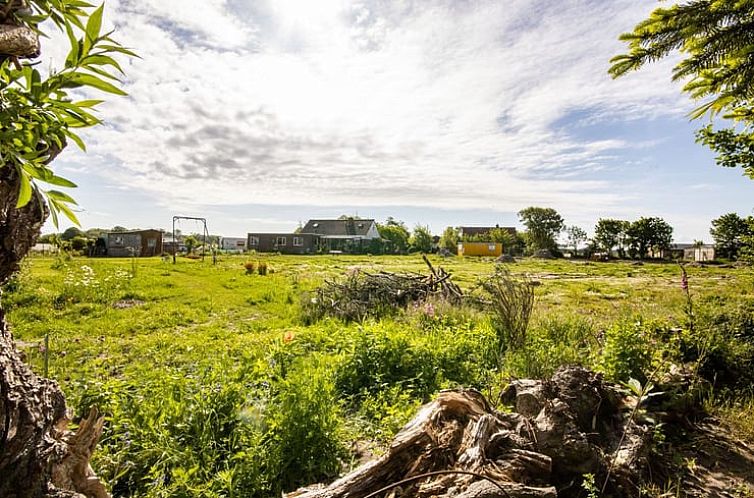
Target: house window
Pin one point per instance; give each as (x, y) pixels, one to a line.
(151, 243)
(119, 240)
(280, 241)
(298, 241)
(253, 241)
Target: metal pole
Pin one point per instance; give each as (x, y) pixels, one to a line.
(175, 244)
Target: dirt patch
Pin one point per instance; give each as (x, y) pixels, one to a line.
(127, 303)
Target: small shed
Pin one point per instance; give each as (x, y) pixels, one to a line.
(493, 249)
(700, 253)
(141, 243)
(233, 243)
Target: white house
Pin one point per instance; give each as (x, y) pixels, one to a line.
(233, 243)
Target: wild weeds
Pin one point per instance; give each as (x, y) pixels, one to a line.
(511, 300)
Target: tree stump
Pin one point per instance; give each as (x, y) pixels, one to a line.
(562, 428)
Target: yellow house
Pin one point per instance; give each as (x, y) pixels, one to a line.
(480, 249)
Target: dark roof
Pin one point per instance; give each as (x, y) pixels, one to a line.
(485, 230)
(146, 230)
(338, 227)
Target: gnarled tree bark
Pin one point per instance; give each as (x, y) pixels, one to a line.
(39, 456)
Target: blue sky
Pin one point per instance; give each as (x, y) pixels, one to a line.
(261, 114)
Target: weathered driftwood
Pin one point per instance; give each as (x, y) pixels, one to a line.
(563, 428)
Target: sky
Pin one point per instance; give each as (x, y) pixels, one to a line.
(259, 115)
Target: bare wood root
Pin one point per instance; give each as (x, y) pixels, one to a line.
(39, 456)
(563, 428)
(18, 41)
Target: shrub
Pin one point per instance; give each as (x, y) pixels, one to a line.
(250, 267)
(626, 352)
(511, 301)
(551, 344)
(262, 268)
(304, 426)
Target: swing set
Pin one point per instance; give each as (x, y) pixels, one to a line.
(205, 237)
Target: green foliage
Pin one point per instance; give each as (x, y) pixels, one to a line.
(627, 351)
(576, 235)
(421, 239)
(550, 344)
(449, 240)
(729, 232)
(610, 233)
(43, 113)
(543, 226)
(511, 301)
(212, 386)
(304, 426)
(647, 234)
(396, 236)
(714, 39)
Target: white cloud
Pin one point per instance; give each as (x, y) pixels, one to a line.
(371, 103)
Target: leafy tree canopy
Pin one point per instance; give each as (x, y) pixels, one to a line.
(449, 239)
(421, 239)
(729, 232)
(576, 235)
(609, 233)
(543, 224)
(647, 234)
(716, 40)
(396, 233)
(41, 113)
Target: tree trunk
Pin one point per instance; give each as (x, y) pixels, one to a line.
(38, 455)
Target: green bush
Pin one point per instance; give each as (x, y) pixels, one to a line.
(551, 344)
(627, 351)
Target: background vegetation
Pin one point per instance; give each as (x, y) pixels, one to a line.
(213, 385)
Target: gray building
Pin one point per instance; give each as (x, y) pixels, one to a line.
(142, 243)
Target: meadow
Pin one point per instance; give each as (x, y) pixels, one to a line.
(214, 381)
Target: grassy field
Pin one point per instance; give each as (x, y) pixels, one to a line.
(214, 385)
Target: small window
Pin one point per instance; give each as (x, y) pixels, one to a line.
(253, 241)
(280, 241)
(491, 247)
(316, 225)
(151, 243)
(298, 241)
(119, 240)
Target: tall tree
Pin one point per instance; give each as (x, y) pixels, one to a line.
(716, 40)
(421, 239)
(449, 240)
(729, 231)
(610, 234)
(649, 234)
(576, 235)
(396, 234)
(38, 117)
(543, 225)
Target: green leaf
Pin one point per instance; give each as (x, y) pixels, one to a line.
(76, 139)
(94, 24)
(61, 182)
(102, 60)
(87, 103)
(68, 213)
(82, 79)
(73, 55)
(24, 192)
(60, 196)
